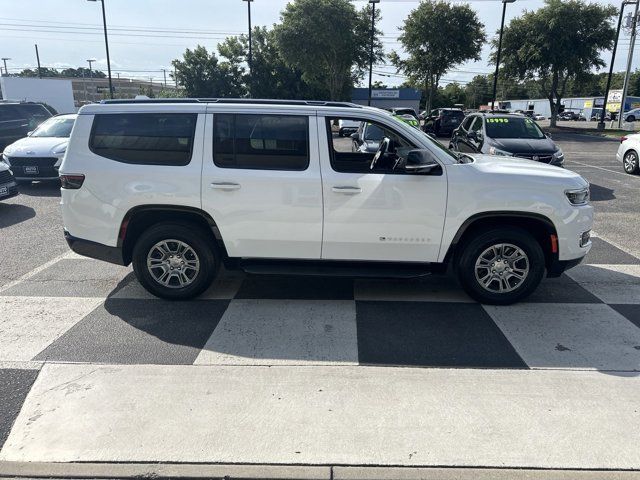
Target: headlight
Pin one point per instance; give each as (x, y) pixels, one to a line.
(5, 159)
(495, 151)
(578, 197)
(559, 155)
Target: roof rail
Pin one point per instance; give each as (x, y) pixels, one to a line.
(249, 101)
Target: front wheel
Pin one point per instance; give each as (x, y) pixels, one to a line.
(630, 162)
(501, 266)
(175, 261)
(631, 118)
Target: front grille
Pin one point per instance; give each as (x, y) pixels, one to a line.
(44, 166)
(544, 158)
(5, 177)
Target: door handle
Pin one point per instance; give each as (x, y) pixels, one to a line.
(346, 190)
(225, 185)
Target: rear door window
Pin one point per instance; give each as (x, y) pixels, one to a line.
(144, 138)
(261, 142)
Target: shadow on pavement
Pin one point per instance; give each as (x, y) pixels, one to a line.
(13, 213)
(601, 194)
(41, 189)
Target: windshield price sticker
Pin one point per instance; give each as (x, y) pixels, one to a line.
(498, 120)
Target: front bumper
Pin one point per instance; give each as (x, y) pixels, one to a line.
(96, 250)
(12, 190)
(558, 267)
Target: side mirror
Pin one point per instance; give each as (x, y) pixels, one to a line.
(473, 135)
(421, 161)
(548, 135)
(29, 133)
(355, 136)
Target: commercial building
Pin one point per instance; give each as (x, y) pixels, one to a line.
(584, 105)
(388, 97)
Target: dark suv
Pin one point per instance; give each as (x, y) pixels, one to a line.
(443, 121)
(17, 119)
(509, 135)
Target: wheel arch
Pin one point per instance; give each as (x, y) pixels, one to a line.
(540, 227)
(139, 218)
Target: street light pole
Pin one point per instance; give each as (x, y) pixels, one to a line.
(373, 31)
(613, 59)
(495, 76)
(250, 59)
(4, 59)
(106, 44)
(625, 87)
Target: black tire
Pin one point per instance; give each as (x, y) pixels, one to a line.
(196, 239)
(477, 245)
(630, 162)
(631, 118)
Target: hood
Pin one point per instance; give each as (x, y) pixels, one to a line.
(524, 145)
(37, 147)
(500, 165)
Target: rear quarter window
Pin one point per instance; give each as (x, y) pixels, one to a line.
(144, 138)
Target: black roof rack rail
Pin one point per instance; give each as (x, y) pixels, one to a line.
(315, 103)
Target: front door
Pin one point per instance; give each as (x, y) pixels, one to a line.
(384, 214)
(261, 183)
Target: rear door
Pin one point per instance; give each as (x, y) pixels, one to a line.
(261, 182)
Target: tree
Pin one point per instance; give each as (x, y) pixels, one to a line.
(437, 36)
(271, 76)
(203, 75)
(328, 41)
(557, 43)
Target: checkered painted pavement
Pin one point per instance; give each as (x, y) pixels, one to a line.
(81, 311)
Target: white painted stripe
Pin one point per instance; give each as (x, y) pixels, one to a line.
(329, 415)
(36, 271)
(21, 365)
(29, 324)
(631, 177)
(615, 244)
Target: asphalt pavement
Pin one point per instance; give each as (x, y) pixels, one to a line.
(315, 372)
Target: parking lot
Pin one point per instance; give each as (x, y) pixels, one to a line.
(303, 371)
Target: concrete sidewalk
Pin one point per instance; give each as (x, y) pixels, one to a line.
(323, 415)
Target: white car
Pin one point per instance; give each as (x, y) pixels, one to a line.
(632, 115)
(178, 189)
(629, 153)
(38, 156)
(537, 116)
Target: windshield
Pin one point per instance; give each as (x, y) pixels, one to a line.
(55, 127)
(513, 127)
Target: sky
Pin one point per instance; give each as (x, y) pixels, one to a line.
(146, 35)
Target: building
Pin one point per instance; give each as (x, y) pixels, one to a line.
(87, 90)
(584, 105)
(388, 97)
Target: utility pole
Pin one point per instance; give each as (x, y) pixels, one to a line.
(250, 60)
(495, 75)
(634, 24)
(373, 32)
(175, 78)
(6, 71)
(38, 59)
(613, 59)
(164, 73)
(106, 45)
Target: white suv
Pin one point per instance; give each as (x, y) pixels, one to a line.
(179, 187)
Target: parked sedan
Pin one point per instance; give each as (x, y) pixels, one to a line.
(632, 115)
(510, 135)
(38, 156)
(629, 152)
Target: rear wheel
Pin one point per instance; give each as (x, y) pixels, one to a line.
(630, 162)
(175, 261)
(631, 118)
(501, 266)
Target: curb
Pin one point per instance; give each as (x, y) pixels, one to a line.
(292, 472)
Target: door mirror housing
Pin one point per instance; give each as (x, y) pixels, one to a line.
(422, 161)
(355, 136)
(472, 135)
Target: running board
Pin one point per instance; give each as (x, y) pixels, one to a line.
(330, 268)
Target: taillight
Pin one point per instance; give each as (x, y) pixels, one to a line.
(71, 182)
(622, 139)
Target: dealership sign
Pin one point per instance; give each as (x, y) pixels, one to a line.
(614, 96)
(385, 94)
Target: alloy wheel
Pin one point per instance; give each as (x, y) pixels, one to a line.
(173, 263)
(502, 268)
